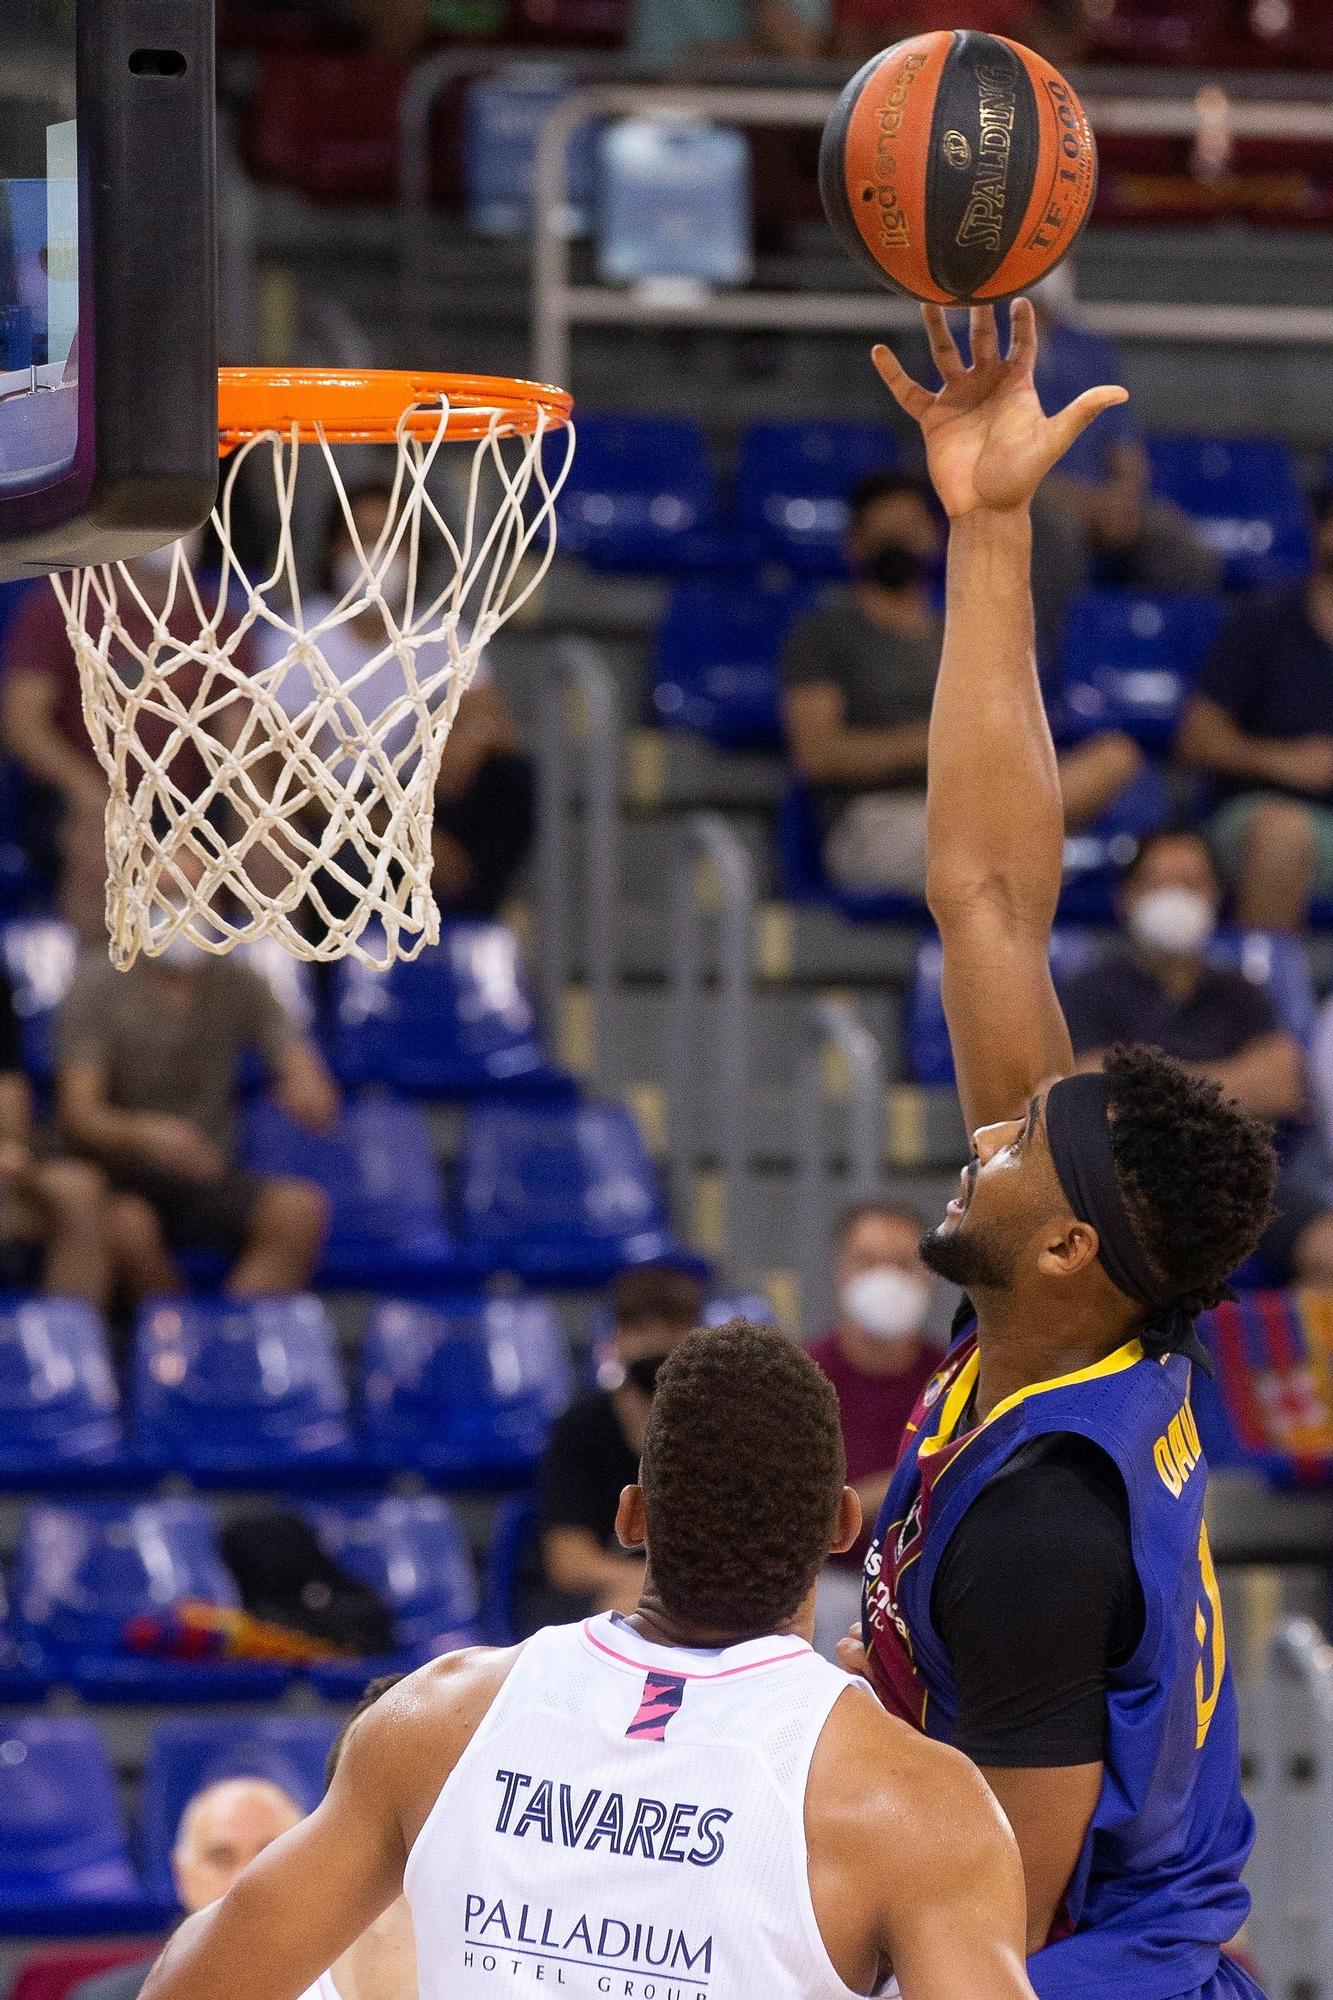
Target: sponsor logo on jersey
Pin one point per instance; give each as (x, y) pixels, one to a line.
(639, 1961)
(646, 1829)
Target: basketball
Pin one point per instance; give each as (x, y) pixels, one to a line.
(958, 167)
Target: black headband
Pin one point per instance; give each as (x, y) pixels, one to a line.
(1078, 1131)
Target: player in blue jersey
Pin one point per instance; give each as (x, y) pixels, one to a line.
(1040, 1590)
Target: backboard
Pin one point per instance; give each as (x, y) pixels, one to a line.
(108, 289)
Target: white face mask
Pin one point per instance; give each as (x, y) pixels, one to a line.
(886, 1302)
(1178, 921)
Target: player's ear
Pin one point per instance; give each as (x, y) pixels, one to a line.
(632, 1519)
(848, 1525)
(1069, 1247)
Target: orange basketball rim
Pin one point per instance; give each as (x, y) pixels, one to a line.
(380, 405)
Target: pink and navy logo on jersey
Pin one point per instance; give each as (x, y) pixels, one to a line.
(662, 1697)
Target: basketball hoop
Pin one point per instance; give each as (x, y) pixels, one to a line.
(313, 820)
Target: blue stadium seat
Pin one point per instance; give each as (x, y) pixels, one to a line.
(21, 1677)
(1093, 860)
(457, 1022)
(718, 653)
(413, 1555)
(239, 1388)
(642, 494)
(803, 878)
(186, 1755)
(792, 486)
(559, 1196)
(512, 1532)
(1130, 660)
(462, 1388)
(383, 1182)
(63, 1845)
(929, 1056)
(1244, 495)
(59, 1403)
(40, 954)
(85, 1573)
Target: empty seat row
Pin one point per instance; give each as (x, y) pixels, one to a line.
(131, 1599)
(558, 1194)
(459, 1022)
(458, 1387)
(644, 494)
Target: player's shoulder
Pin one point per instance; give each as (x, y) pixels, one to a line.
(906, 1801)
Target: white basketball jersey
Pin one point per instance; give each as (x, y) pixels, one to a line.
(323, 1989)
(629, 1820)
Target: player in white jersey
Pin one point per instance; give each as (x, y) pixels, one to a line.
(382, 1963)
(686, 1804)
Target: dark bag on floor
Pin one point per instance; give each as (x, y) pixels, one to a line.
(285, 1576)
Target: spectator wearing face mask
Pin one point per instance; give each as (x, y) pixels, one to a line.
(41, 720)
(1160, 989)
(484, 790)
(594, 1450)
(878, 1356)
(858, 678)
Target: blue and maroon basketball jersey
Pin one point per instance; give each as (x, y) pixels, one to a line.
(1157, 1890)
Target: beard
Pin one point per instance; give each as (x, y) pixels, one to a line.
(967, 1260)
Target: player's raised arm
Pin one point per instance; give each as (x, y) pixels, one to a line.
(995, 827)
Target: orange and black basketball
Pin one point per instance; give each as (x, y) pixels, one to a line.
(958, 167)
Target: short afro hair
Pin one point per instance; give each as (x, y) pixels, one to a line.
(1197, 1172)
(374, 1692)
(742, 1474)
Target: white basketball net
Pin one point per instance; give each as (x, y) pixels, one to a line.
(310, 793)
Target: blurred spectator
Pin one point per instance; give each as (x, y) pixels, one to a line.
(148, 1085)
(1057, 28)
(1261, 724)
(1161, 990)
(55, 1215)
(382, 1964)
(41, 719)
(663, 32)
(1095, 513)
(594, 1449)
(221, 1831)
(485, 790)
(858, 678)
(878, 1356)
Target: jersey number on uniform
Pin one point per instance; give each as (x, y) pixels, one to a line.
(1212, 1641)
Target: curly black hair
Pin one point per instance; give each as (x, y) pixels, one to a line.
(742, 1472)
(1196, 1171)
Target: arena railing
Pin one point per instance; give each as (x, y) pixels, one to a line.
(1292, 1871)
(841, 1069)
(710, 871)
(579, 748)
(559, 304)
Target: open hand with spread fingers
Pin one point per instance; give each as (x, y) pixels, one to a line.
(988, 442)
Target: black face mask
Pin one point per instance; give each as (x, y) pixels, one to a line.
(643, 1372)
(892, 566)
